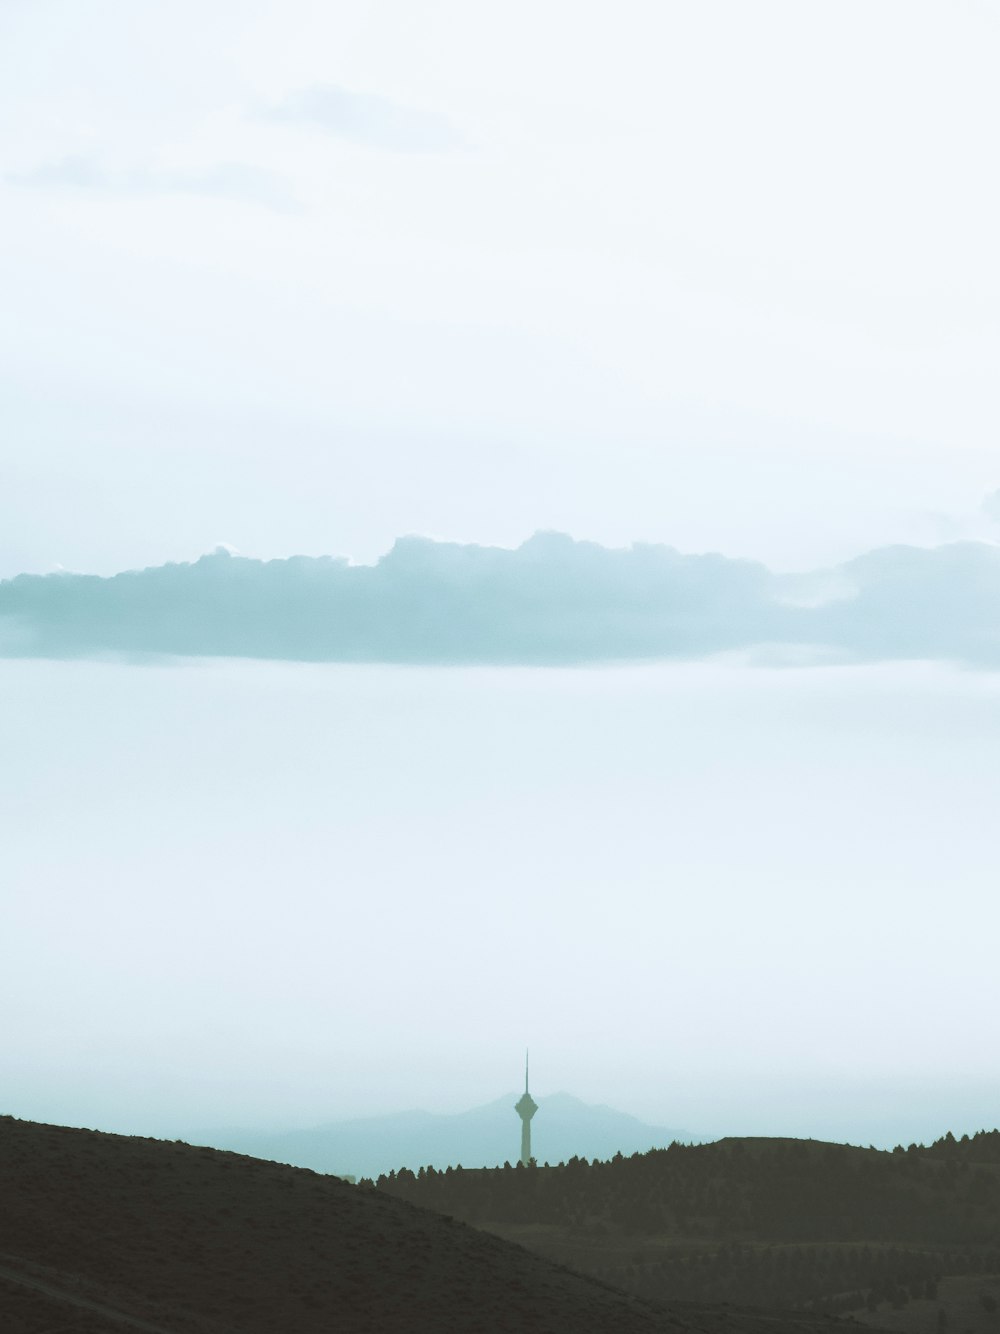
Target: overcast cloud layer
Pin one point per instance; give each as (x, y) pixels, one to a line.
(552, 600)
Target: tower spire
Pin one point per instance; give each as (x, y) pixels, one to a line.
(526, 1107)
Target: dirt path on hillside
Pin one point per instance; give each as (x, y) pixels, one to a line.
(25, 1280)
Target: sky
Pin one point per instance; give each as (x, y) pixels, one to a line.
(404, 285)
(303, 278)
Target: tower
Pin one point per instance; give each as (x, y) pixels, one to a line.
(526, 1107)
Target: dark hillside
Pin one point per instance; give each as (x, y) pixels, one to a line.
(791, 1223)
(104, 1232)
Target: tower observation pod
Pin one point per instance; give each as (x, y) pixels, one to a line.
(526, 1107)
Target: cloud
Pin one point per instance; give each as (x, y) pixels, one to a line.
(376, 122)
(552, 600)
(238, 181)
(74, 172)
(991, 506)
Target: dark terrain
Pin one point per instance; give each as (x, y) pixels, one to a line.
(908, 1239)
(103, 1233)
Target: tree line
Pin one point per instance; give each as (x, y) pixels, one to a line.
(765, 1222)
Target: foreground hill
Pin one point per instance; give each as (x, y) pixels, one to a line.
(482, 1137)
(101, 1233)
(791, 1223)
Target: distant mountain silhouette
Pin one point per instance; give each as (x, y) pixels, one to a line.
(486, 1136)
(104, 1233)
(552, 600)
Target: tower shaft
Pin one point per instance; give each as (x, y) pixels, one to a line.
(526, 1107)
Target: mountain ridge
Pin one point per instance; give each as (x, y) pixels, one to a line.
(551, 601)
(482, 1136)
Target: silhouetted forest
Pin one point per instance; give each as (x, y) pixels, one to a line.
(770, 1222)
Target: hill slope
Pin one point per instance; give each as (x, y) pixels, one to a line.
(790, 1223)
(104, 1232)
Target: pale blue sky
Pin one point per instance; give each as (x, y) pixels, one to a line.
(303, 278)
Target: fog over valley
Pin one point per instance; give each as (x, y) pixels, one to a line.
(735, 899)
